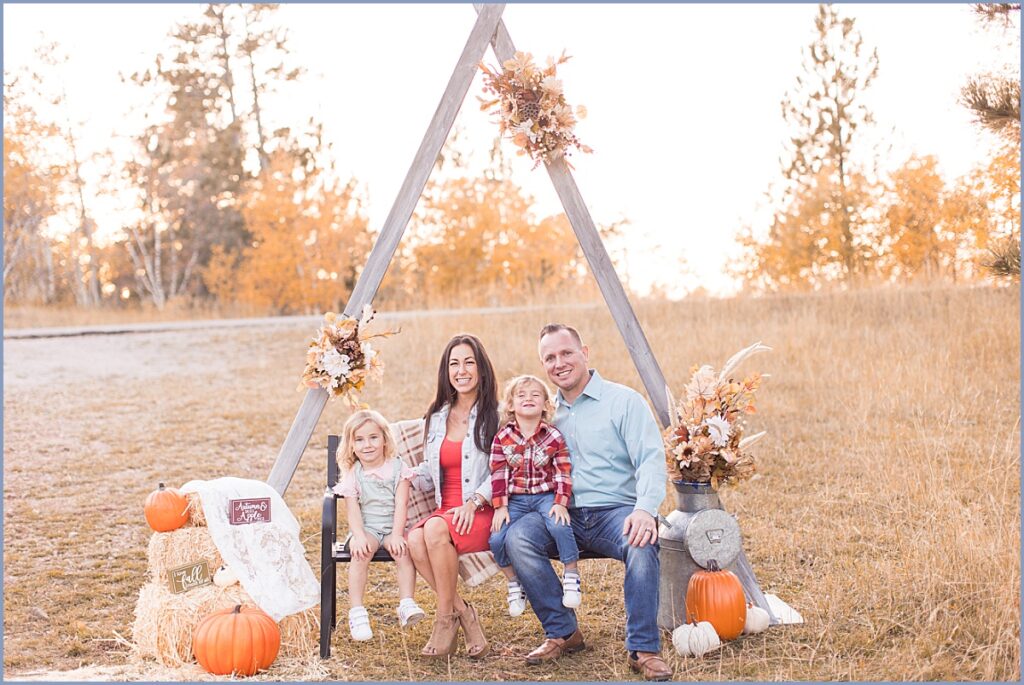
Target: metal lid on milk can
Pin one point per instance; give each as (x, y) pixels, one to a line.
(713, 534)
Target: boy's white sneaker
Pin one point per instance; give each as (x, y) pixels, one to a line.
(359, 624)
(572, 593)
(409, 613)
(516, 598)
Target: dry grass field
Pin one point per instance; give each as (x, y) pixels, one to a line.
(886, 508)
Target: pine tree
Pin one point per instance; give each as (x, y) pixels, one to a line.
(994, 98)
(189, 165)
(821, 231)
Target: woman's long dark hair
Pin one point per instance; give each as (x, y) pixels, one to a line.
(486, 393)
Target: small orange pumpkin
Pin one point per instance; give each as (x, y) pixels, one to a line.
(240, 640)
(166, 509)
(716, 596)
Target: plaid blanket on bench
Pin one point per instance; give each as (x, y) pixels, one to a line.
(474, 568)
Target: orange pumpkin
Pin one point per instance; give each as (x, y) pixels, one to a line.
(240, 640)
(166, 509)
(716, 596)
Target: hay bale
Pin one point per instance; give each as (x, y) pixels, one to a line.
(300, 634)
(165, 622)
(196, 517)
(186, 545)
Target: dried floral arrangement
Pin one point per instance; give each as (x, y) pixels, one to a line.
(705, 442)
(340, 357)
(532, 107)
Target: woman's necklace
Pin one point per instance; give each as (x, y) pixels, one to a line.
(458, 420)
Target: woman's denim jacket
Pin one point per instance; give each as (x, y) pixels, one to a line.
(476, 465)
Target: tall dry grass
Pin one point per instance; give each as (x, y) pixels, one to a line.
(886, 508)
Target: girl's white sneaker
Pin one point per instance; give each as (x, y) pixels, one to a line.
(359, 624)
(409, 613)
(516, 598)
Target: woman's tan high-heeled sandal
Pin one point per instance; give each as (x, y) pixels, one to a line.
(476, 642)
(444, 636)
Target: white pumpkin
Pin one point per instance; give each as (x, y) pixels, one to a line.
(757, 620)
(224, 577)
(681, 639)
(703, 639)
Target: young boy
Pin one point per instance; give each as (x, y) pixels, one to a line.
(531, 472)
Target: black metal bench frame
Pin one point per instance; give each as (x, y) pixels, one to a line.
(333, 552)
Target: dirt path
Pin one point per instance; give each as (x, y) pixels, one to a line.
(261, 323)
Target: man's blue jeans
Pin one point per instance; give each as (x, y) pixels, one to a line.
(529, 545)
(541, 503)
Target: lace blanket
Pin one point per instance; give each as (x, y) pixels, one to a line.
(267, 557)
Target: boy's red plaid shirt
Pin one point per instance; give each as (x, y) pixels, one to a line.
(530, 466)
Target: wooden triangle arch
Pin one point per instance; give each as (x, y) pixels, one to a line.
(489, 29)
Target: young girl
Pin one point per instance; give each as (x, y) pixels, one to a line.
(376, 492)
(531, 471)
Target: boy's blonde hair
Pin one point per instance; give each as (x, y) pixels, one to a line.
(510, 390)
(346, 453)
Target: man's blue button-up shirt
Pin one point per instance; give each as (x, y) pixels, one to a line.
(616, 449)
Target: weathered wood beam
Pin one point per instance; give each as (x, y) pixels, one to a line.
(611, 287)
(394, 226)
(615, 295)
(600, 263)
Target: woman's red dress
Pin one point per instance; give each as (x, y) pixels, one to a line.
(451, 497)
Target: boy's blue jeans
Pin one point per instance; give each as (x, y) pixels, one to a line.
(598, 529)
(521, 505)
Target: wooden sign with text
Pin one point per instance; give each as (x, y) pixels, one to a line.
(255, 510)
(190, 576)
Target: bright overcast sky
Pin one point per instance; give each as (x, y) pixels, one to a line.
(683, 100)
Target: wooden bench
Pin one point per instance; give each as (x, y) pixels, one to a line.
(473, 568)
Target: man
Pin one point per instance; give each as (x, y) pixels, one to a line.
(619, 478)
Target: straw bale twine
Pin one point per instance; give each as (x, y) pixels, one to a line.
(196, 517)
(165, 622)
(187, 545)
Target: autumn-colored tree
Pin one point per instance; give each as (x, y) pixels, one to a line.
(821, 230)
(58, 260)
(476, 237)
(806, 246)
(309, 241)
(81, 260)
(33, 178)
(919, 239)
(989, 200)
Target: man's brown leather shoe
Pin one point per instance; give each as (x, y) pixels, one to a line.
(554, 647)
(652, 666)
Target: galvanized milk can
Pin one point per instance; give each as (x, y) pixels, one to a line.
(690, 537)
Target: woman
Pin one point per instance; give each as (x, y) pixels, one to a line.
(460, 426)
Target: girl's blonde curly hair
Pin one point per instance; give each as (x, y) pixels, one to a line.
(510, 392)
(346, 453)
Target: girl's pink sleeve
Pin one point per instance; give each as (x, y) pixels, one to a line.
(348, 487)
(407, 472)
